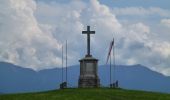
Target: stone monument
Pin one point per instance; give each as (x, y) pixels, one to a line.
(88, 66)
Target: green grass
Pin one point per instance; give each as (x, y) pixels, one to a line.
(88, 94)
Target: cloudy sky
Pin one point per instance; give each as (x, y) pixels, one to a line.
(32, 31)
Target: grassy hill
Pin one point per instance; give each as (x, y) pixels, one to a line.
(88, 94)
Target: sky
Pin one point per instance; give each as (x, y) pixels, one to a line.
(32, 32)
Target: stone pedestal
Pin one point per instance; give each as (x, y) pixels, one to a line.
(88, 72)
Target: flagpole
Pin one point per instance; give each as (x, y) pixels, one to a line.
(66, 60)
(62, 65)
(109, 57)
(110, 69)
(113, 52)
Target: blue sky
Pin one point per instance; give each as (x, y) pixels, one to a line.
(124, 3)
(32, 32)
(137, 3)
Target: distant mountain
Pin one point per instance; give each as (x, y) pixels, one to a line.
(15, 79)
(136, 77)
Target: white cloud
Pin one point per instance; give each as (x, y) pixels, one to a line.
(69, 24)
(22, 41)
(38, 29)
(139, 46)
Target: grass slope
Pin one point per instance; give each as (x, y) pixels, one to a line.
(88, 94)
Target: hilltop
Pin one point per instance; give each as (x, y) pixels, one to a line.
(88, 94)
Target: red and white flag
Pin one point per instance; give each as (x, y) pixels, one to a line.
(110, 49)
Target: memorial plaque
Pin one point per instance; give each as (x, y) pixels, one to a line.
(89, 67)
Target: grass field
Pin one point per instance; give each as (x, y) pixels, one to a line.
(88, 94)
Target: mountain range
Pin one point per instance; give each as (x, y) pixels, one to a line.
(17, 79)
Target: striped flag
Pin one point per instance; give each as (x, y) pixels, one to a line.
(110, 49)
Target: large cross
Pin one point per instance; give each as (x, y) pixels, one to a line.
(88, 32)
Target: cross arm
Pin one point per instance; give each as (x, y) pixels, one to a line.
(87, 32)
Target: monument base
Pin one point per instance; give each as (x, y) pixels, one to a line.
(88, 82)
(88, 73)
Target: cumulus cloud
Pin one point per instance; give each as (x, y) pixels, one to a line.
(22, 42)
(37, 30)
(69, 24)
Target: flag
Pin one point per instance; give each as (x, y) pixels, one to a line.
(110, 49)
